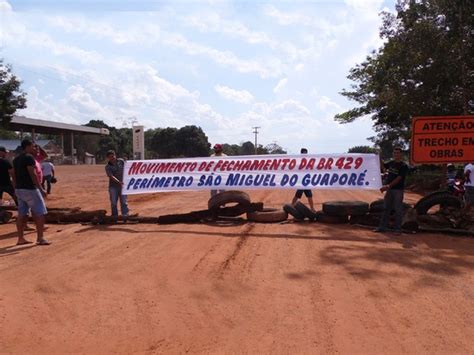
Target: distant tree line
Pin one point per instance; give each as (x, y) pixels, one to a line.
(162, 143)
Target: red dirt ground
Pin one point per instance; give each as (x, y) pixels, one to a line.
(283, 288)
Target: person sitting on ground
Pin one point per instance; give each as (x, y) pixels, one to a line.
(218, 152)
(48, 174)
(6, 173)
(29, 192)
(307, 193)
(114, 170)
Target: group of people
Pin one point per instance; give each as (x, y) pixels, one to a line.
(393, 186)
(24, 180)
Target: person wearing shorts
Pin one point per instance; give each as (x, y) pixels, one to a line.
(29, 193)
(307, 193)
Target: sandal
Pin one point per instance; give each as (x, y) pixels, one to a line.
(43, 242)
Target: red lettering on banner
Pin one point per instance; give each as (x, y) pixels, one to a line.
(179, 167)
(238, 165)
(218, 165)
(257, 164)
(321, 164)
(285, 162)
(247, 165)
(134, 168)
(292, 164)
(267, 164)
(275, 164)
(209, 165)
(328, 165)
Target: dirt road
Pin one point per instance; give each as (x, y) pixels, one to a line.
(291, 288)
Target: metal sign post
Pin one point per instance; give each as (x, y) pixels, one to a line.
(138, 142)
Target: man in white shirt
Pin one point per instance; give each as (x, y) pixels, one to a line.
(218, 152)
(48, 174)
(469, 185)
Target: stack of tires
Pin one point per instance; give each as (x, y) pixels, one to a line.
(332, 212)
(300, 211)
(242, 206)
(342, 211)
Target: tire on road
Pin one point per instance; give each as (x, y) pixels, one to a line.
(305, 211)
(288, 208)
(377, 206)
(268, 215)
(445, 199)
(239, 197)
(5, 216)
(238, 210)
(345, 208)
(323, 217)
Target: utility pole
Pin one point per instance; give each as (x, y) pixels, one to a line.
(255, 131)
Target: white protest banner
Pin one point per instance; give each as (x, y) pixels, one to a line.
(309, 171)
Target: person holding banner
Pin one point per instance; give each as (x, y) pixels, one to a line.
(307, 193)
(218, 152)
(394, 189)
(114, 170)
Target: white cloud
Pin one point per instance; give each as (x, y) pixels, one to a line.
(324, 103)
(77, 97)
(281, 84)
(149, 34)
(121, 65)
(5, 6)
(212, 22)
(287, 18)
(241, 96)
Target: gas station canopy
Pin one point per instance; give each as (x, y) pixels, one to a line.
(22, 123)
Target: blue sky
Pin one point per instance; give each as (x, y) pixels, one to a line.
(222, 65)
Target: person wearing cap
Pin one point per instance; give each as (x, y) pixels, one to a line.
(29, 192)
(6, 173)
(307, 193)
(217, 153)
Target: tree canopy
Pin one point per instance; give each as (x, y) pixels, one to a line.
(12, 97)
(362, 149)
(425, 67)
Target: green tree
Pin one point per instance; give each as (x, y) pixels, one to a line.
(362, 149)
(274, 148)
(231, 149)
(247, 148)
(164, 144)
(192, 142)
(12, 97)
(425, 67)
(5, 134)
